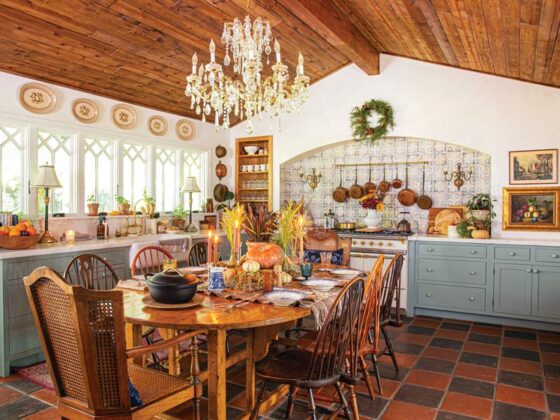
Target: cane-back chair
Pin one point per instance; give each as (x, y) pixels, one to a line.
(198, 254)
(91, 272)
(82, 335)
(149, 260)
(332, 361)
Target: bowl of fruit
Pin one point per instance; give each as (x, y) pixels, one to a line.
(20, 236)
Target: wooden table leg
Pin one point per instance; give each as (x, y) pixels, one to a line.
(134, 339)
(216, 374)
(250, 379)
(172, 353)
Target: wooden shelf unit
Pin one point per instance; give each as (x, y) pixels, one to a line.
(244, 193)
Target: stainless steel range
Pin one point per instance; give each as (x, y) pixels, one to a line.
(366, 248)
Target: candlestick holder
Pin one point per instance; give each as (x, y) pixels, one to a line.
(459, 176)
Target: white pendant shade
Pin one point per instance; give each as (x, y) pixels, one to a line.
(190, 185)
(46, 177)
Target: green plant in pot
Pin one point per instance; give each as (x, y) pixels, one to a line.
(150, 203)
(92, 205)
(123, 203)
(178, 217)
(481, 209)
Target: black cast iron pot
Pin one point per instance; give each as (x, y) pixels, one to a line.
(171, 287)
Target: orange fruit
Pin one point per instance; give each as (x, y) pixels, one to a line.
(2, 233)
(21, 226)
(14, 232)
(28, 223)
(32, 231)
(4, 229)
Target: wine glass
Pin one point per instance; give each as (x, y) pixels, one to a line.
(306, 269)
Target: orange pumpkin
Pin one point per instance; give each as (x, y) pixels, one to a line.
(266, 254)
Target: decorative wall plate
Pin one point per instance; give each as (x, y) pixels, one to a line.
(37, 98)
(124, 116)
(157, 125)
(185, 129)
(85, 110)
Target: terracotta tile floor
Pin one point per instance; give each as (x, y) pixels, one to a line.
(451, 370)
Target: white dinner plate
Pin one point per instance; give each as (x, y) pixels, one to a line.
(320, 285)
(346, 273)
(284, 297)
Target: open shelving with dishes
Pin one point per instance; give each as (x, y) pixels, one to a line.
(253, 170)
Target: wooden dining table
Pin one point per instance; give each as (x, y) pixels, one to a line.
(262, 322)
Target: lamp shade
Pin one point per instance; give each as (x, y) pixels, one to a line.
(46, 177)
(190, 185)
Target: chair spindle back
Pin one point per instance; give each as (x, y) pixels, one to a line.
(371, 307)
(391, 280)
(149, 260)
(198, 254)
(91, 272)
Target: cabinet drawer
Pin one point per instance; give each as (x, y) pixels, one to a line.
(448, 250)
(452, 271)
(550, 255)
(452, 297)
(512, 253)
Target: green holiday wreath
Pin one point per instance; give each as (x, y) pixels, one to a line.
(361, 129)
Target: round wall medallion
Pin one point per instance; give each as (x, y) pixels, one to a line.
(185, 129)
(85, 110)
(37, 98)
(124, 116)
(157, 125)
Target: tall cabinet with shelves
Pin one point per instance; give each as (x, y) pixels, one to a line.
(253, 170)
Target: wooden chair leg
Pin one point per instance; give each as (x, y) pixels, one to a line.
(343, 401)
(195, 374)
(311, 404)
(291, 401)
(375, 363)
(255, 412)
(390, 349)
(367, 378)
(353, 402)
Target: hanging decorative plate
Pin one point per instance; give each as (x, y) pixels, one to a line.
(185, 129)
(85, 110)
(124, 116)
(157, 125)
(37, 98)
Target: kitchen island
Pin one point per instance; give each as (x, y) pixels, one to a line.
(18, 337)
(499, 280)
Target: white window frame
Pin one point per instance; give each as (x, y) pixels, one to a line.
(25, 162)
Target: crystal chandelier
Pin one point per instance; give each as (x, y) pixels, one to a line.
(248, 93)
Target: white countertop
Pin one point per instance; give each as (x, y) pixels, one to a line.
(96, 244)
(498, 241)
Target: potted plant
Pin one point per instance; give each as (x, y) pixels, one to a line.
(92, 205)
(123, 203)
(178, 217)
(481, 210)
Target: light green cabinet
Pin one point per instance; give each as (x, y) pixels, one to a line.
(512, 289)
(546, 292)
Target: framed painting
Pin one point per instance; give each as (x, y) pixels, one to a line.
(533, 167)
(531, 209)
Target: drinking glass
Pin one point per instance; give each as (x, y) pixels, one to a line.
(306, 269)
(169, 264)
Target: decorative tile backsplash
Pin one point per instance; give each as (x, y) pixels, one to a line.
(440, 155)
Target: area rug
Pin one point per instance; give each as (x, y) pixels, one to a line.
(38, 374)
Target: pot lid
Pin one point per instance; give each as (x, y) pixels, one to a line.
(170, 278)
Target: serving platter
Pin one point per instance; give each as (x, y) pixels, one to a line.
(151, 303)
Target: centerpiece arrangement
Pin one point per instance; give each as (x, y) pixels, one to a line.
(373, 203)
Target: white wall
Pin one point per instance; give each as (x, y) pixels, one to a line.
(206, 137)
(488, 113)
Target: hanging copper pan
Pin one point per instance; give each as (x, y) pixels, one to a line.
(384, 186)
(356, 190)
(424, 202)
(370, 187)
(340, 194)
(397, 182)
(406, 196)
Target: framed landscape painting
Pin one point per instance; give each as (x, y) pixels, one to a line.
(531, 208)
(533, 167)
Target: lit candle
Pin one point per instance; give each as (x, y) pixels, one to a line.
(209, 251)
(216, 249)
(70, 236)
(212, 51)
(300, 65)
(301, 237)
(236, 237)
(277, 50)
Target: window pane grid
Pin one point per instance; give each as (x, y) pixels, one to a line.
(11, 172)
(166, 179)
(98, 179)
(135, 171)
(194, 165)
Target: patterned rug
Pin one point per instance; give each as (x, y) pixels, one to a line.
(38, 374)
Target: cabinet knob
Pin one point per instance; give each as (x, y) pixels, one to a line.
(428, 294)
(472, 273)
(529, 270)
(429, 249)
(429, 269)
(512, 254)
(554, 256)
(473, 251)
(535, 271)
(472, 299)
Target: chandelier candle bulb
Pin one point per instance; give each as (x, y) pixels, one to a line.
(194, 61)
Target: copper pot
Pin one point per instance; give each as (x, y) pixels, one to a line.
(221, 151)
(407, 197)
(347, 226)
(424, 202)
(220, 192)
(221, 170)
(340, 194)
(384, 186)
(397, 182)
(370, 187)
(356, 190)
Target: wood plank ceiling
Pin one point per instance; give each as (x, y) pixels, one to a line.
(140, 51)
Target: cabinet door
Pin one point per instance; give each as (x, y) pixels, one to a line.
(546, 292)
(356, 261)
(512, 289)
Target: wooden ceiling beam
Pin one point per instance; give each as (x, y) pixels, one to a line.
(328, 21)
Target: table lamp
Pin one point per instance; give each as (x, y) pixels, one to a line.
(190, 186)
(47, 179)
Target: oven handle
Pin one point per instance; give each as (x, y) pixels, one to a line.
(370, 255)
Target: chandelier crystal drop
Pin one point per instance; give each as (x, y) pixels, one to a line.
(248, 93)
